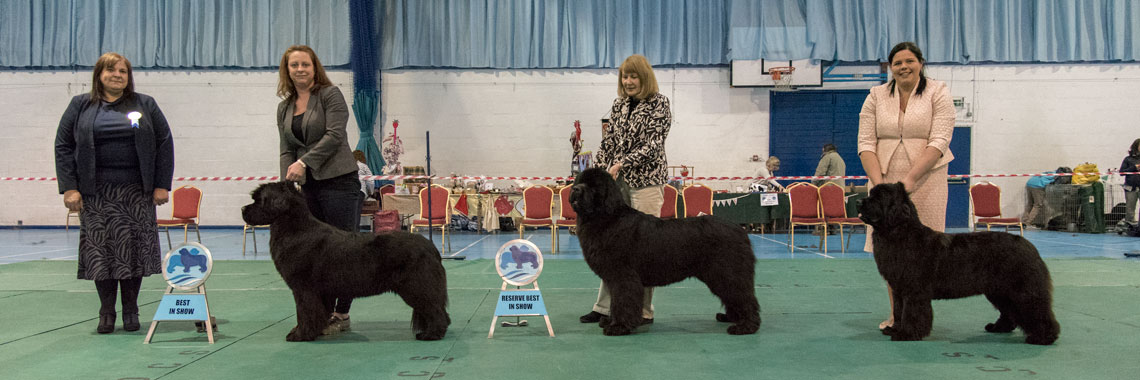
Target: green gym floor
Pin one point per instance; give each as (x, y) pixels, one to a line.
(820, 315)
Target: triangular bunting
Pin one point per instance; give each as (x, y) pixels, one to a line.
(461, 204)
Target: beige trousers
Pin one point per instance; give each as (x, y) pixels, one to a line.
(648, 200)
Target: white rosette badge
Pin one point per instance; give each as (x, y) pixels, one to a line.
(134, 117)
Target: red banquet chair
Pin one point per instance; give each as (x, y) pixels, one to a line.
(698, 199)
(805, 211)
(566, 215)
(386, 189)
(986, 199)
(669, 208)
(833, 201)
(439, 212)
(538, 209)
(185, 205)
(248, 230)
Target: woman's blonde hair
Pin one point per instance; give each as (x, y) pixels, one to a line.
(285, 88)
(639, 65)
(107, 61)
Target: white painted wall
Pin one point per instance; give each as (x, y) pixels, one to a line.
(222, 122)
(1033, 118)
(1025, 118)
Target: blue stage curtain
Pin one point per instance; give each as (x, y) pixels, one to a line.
(552, 34)
(170, 33)
(365, 105)
(365, 75)
(523, 34)
(957, 31)
(601, 33)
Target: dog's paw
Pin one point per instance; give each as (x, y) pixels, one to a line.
(292, 337)
(616, 330)
(996, 328)
(429, 336)
(295, 335)
(722, 317)
(1041, 340)
(899, 336)
(742, 329)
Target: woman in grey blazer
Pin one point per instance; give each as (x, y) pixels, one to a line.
(314, 149)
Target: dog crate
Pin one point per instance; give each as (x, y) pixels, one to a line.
(1074, 208)
(1116, 206)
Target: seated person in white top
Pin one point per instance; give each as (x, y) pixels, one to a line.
(771, 165)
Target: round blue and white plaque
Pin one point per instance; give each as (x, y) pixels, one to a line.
(519, 262)
(187, 265)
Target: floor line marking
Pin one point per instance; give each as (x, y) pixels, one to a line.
(38, 252)
(786, 244)
(468, 246)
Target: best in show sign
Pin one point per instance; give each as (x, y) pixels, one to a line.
(182, 307)
(185, 268)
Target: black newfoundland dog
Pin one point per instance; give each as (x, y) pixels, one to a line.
(921, 265)
(320, 263)
(630, 250)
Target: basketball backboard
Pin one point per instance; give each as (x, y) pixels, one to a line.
(755, 73)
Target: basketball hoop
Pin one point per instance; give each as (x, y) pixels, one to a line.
(782, 78)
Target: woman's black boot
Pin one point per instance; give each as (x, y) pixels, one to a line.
(130, 289)
(106, 323)
(130, 322)
(107, 290)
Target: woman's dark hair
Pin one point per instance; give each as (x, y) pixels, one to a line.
(107, 61)
(1135, 149)
(829, 148)
(917, 54)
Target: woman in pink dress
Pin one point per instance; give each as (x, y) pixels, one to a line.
(904, 136)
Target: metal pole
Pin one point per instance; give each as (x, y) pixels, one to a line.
(431, 231)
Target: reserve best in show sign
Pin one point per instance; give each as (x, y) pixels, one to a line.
(519, 263)
(520, 303)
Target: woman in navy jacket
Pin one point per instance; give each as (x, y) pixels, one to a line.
(114, 159)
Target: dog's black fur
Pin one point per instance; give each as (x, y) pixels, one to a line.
(921, 265)
(630, 250)
(321, 263)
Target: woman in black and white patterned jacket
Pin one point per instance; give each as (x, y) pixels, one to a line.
(633, 151)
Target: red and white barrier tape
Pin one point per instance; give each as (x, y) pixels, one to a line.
(261, 178)
(394, 177)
